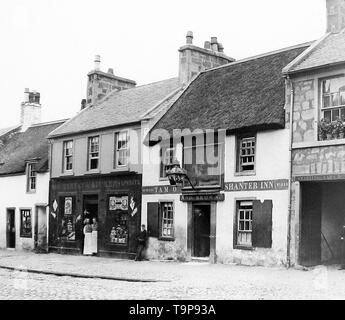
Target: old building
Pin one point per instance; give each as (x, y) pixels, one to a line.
(96, 169)
(227, 129)
(24, 178)
(316, 86)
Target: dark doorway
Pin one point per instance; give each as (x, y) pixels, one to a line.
(90, 209)
(310, 249)
(11, 229)
(201, 233)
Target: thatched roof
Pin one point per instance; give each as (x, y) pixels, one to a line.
(247, 94)
(24, 146)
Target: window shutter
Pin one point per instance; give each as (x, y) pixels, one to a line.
(262, 224)
(153, 219)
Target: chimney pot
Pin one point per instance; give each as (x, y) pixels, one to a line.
(97, 62)
(111, 70)
(189, 37)
(220, 47)
(213, 40)
(207, 45)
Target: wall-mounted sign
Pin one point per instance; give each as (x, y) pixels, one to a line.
(118, 203)
(202, 197)
(320, 177)
(68, 205)
(282, 184)
(161, 190)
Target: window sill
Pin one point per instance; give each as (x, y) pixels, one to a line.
(26, 237)
(321, 143)
(244, 173)
(166, 239)
(31, 192)
(67, 173)
(239, 247)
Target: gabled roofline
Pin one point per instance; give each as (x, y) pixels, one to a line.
(304, 54)
(145, 117)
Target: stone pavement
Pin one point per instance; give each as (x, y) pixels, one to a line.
(173, 280)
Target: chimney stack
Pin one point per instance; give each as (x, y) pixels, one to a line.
(194, 59)
(207, 45)
(189, 37)
(30, 109)
(214, 43)
(97, 62)
(335, 15)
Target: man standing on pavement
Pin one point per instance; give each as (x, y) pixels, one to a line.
(141, 239)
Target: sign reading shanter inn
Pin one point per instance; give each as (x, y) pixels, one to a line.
(263, 185)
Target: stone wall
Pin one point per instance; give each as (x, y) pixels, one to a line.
(304, 111)
(319, 160)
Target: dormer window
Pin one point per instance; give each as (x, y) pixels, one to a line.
(31, 177)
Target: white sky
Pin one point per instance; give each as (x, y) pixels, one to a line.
(49, 45)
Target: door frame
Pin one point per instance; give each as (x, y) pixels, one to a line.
(213, 229)
(13, 209)
(36, 219)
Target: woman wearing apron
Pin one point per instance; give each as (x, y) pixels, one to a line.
(94, 236)
(87, 238)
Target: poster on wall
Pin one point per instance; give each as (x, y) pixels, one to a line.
(68, 228)
(68, 205)
(118, 203)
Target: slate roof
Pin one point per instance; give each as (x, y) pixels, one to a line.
(118, 108)
(28, 145)
(5, 131)
(241, 95)
(330, 50)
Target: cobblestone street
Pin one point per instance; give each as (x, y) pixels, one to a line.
(166, 280)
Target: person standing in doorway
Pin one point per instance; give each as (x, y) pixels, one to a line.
(94, 237)
(141, 239)
(87, 238)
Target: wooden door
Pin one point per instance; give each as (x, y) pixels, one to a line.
(310, 232)
(11, 229)
(202, 224)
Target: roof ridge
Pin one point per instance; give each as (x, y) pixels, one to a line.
(48, 123)
(305, 54)
(259, 56)
(121, 91)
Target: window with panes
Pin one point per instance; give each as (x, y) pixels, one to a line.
(167, 215)
(246, 154)
(121, 149)
(244, 223)
(68, 155)
(333, 98)
(93, 153)
(32, 177)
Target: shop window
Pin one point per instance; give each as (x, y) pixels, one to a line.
(160, 220)
(68, 220)
(333, 99)
(25, 223)
(68, 155)
(246, 148)
(121, 149)
(93, 153)
(118, 219)
(253, 227)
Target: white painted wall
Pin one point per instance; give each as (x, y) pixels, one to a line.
(272, 162)
(14, 195)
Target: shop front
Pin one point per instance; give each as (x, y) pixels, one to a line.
(114, 201)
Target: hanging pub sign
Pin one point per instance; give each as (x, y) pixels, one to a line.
(118, 203)
(68, 205)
